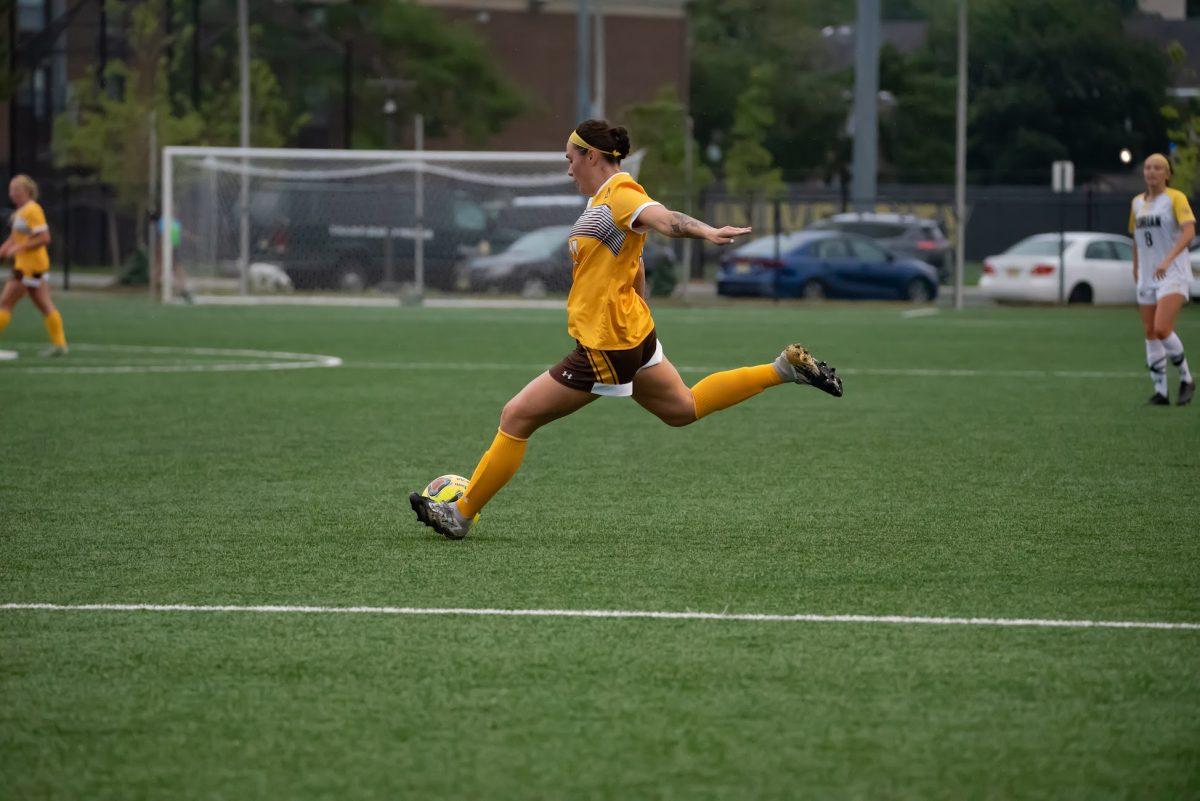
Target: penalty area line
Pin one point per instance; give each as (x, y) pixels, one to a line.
(622, 614)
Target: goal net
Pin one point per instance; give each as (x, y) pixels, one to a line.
(256, 221)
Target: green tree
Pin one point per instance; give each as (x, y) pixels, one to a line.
(660, 127)
(806, 94)
(749, 167)
(449, 76)
(1048, 79)
(107, 131)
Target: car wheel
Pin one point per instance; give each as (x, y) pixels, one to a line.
(533, 288)
(1080, 293)
(352, 278)
(917, 291)
(813, 290)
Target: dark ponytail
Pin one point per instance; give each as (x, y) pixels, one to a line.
(605, 138)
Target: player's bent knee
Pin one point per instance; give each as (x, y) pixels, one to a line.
(1162, 332)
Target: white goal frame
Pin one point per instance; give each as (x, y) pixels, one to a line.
(412, 161)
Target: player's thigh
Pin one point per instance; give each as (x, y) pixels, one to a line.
(661, 391)
(40, 295)
(543, 400)
(1165, 313)
(13, 291)
(1147, 315)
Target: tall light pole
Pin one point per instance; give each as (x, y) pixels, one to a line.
(866, 105)
(583, 60)
(244, 141)
(960, 158)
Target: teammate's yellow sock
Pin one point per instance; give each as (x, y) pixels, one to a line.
(498, 464)
(54, 327)
(722, 390)
(5, 318)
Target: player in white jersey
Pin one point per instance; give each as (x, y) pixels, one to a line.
(1162, 224)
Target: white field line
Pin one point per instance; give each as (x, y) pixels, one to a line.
(623, 614)
(931, 372)
(271, 360)
(923, 312)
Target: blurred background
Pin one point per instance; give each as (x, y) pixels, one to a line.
(744, 112)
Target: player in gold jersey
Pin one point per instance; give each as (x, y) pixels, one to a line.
(26, 246)
(617, 350)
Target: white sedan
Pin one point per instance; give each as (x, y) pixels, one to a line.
(1195, 259)
(1099, 269)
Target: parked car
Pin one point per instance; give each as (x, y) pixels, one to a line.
(824, 264)
(1194, 255)
(351, 237)
(1099, 269)
(538, 262)
(902, 234)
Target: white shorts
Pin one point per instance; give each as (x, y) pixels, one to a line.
(31, 281)
(1170, 285)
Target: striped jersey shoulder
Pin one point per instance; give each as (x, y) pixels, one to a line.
(597, 223)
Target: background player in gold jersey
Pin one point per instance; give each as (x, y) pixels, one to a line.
(26, 246)
(617, 351)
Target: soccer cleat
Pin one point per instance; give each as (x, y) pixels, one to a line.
(798, 365)
(1158, 400)
(1186, 390)
(441, 517)
(55, 350)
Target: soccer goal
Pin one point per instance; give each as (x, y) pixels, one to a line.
(257, 221)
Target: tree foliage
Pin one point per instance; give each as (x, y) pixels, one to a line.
(807, 98)
(660, 127)
(447, 73)
(749, 166)
(107, 130)
(1047, 80)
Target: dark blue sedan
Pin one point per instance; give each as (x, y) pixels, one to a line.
(823, 264)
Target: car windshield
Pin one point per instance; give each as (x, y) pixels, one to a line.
(1037, 246)
(541, 242)
(765, 247)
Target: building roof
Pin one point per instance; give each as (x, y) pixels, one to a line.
(1165, 31)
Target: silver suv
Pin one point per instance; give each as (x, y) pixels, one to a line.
(903, 234)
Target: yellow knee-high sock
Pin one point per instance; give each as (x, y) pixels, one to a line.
(5, 318)
(498, 465)
(54, 327)
(722, 390)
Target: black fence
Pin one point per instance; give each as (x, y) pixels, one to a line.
(997, 216)
(77, 212)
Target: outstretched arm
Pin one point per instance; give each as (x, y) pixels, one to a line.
(679, 225)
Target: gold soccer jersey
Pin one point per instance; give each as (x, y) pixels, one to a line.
(29, 221)
(604, 309)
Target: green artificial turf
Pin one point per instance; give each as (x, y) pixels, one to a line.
(1023, 486)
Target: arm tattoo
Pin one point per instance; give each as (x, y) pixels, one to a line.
(683, 225)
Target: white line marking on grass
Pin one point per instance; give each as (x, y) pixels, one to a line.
(923, 372)
(926, 312)
(623, 614)
(258, 360)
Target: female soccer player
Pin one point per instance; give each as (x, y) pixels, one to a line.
(26, 246)
(1162, 224)
(617, 352)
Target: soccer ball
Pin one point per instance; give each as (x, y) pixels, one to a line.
(446, 489)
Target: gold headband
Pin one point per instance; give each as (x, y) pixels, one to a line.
(576, 139)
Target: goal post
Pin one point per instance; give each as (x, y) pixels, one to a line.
(355, 221)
